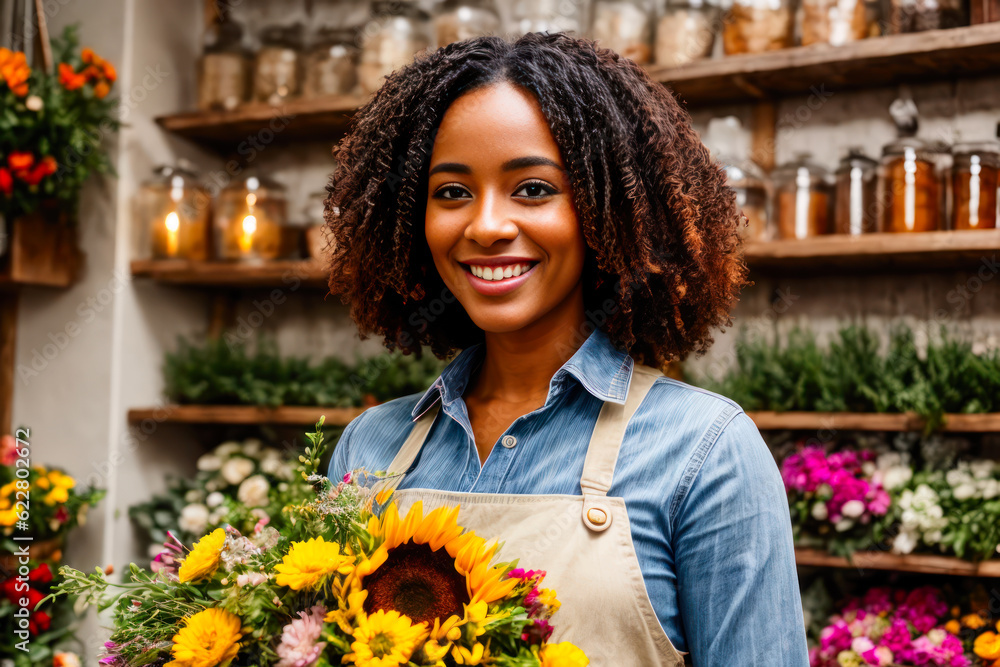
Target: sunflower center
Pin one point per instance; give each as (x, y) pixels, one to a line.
(381, 645)
(417, 582)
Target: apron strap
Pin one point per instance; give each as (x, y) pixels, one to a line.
(407, 454)
(605, 442)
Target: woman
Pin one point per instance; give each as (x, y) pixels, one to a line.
(546, 209)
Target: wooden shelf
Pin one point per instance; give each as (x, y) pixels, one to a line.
(244, 414)
(254, 126)
(881, 560)
(877, 61)
(860, 421)
(877, 252)
(291, 274)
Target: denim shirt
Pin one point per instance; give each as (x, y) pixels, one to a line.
(707, 507)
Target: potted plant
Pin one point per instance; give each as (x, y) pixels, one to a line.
(53, 123)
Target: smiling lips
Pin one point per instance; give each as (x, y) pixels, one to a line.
(499, 276)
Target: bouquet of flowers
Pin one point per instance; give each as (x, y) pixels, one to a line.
(979, 634)
(57, 505)
(347, 580)
(832, 495)
(51, 125)
(888, 628)
(237, 483)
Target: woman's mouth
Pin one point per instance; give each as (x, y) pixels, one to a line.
(499, 279)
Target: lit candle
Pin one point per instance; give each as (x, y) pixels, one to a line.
(173, 225)
(246, 238)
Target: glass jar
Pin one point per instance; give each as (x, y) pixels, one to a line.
(224, 69)
(974, 183)
(464, 19)
(547, 16)
(751, 186)
(624, 26)
(919, 15)
(855, 206)
(803, 193)
(276, 75)
(331, 67)
(837, 22)
(756, 26)
(173, 210)
(685, 32)
(390, 42)
(910, 189)
(250, 218)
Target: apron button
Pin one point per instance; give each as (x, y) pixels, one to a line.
(508, 441)
(597, 516)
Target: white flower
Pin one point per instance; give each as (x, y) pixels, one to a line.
(957, 477)
(964, 491)
(868, 468)
(252, 446)
(253, 491)
(217, 515)
(271, 463)
(889, 460)
(852, 509)
(251, 578)
(209, 462)
(990, 488)
(215, 499)
(843, 525)
(904, 543)
(819, 511)
(896, 476)
(982, 468)
(236, 469)
(194, 519)
(228, 448)
(34, 103)
(193, 496)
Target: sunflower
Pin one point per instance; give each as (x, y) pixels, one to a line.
(428, 569)
(308, 564)
(563, 654)
(385, 639)
(208, 638)
(203, 560)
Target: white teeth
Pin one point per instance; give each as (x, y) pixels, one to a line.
(497, 272)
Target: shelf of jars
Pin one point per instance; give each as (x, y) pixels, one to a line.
(881, 560)
(243, 415)
(860, 421)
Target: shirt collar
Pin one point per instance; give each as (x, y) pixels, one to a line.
(601, 368)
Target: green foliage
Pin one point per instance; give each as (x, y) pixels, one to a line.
(218, 372)
(854, 375)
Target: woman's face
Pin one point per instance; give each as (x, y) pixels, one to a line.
(500, 222)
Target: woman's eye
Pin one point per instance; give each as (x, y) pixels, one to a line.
(535, 190)
(450, 192)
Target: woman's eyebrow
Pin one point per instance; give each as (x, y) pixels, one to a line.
(509, 165)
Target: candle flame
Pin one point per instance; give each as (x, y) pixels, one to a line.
(246, 238)
(172, 222)
(249, 224)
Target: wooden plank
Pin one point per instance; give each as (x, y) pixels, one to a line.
(243, 414)
(882, 560)
(290, 274)
(882, 252)
(8, 349)
(859, 421)
(819, 68)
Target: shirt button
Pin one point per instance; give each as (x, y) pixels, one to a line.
(508, 441)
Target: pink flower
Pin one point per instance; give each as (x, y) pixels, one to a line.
(8, 450)
(299, 645)
(521, 573)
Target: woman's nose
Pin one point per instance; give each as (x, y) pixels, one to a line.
(491, 221)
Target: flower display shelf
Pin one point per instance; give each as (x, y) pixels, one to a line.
(41, 253)
(817, 69)
(860, 421)
(882, 560)
(289, 274)
(243, 414)
(970, 250)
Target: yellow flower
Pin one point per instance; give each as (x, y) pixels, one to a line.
(987, 645)
(203, 560)
(385, 639)
(435, 652)
(563, 654)
(473, 656)
(347, 611)
(547, 596)
(8, 517)
(308, 564)
(974, 621)
(953, 626)
(209, 638)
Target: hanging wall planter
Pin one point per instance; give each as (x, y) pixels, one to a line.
(42, 248)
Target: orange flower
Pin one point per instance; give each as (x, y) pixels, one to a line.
(20, 160)
(15, 71)
(87, 55)
(35, 175)
(69, 78)
(51, 166)
(101, 90)
(6, 182)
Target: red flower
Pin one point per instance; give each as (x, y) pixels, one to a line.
(20, 160)
(42, 573)
(35, 175)
(6, 187)
(41, 622)
(62, 514)
(69, 78)
(50, 164)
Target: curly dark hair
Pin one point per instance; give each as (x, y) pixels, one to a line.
(660, 222)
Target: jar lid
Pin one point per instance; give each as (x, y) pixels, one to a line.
(252, 182)
(288, 36)
(404, 8)
(225, 37)
(449, 5)
(856, 158)
(902, 144)
(174, 175)
(802, 161)
(745, 174)
(989, 147)
(329, 35)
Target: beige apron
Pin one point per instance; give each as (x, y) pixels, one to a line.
(584, 543)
